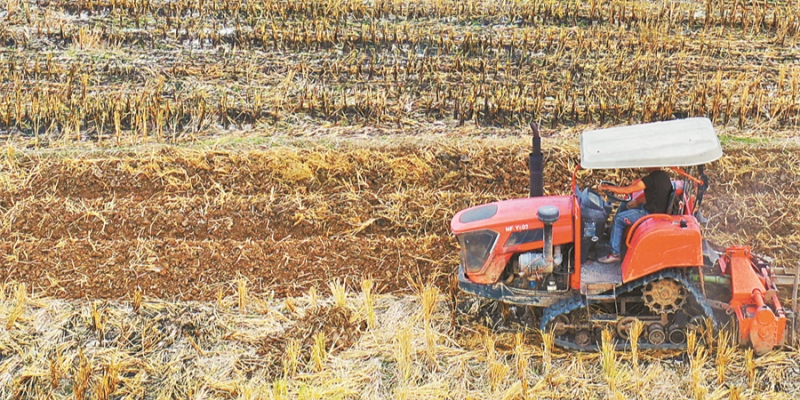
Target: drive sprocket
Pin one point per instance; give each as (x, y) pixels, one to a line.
(664, 296)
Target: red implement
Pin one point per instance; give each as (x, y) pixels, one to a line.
(754, 301)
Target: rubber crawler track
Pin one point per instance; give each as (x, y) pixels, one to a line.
(578, 301)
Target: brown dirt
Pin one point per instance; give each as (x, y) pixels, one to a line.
(178, 223)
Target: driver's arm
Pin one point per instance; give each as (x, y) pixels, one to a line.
(636, 186)
(636, 202)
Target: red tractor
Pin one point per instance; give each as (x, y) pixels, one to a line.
(538, 256)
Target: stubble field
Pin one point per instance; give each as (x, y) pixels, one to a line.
(233, 199)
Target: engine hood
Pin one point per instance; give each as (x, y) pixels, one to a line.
(510, 215)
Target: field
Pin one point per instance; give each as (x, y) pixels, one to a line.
(251, 199)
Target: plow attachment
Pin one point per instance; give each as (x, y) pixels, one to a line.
(754, 300)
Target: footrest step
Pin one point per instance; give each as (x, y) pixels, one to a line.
(595, 289)
(610, 296)
(603, 318)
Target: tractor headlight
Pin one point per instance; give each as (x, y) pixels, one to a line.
(475, 248)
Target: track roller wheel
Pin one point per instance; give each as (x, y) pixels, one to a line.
(623, 327)
(677, 336)
(656, 334)
(583, 337)
(560, 325)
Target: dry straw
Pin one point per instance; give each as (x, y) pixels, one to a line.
(224, 355)
(369, 302)
(344, 66)
(635, 334)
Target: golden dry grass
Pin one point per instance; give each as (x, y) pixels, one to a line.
(190, 349)
(154, 70)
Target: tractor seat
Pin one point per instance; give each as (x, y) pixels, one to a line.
(675, 195)
(671, 201)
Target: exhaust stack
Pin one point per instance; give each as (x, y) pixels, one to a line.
(536, 164)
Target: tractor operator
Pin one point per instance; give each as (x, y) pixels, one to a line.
(657, 187)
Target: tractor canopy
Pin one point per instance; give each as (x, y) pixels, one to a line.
(678, 143)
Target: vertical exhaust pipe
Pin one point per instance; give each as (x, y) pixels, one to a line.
(536, 164)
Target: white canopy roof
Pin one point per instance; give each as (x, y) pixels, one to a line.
(677, 143)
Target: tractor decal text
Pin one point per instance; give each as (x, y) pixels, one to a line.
(515, 228)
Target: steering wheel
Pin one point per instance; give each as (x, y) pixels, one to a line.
(615, 196)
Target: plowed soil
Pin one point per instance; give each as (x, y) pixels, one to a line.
(179, 223)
